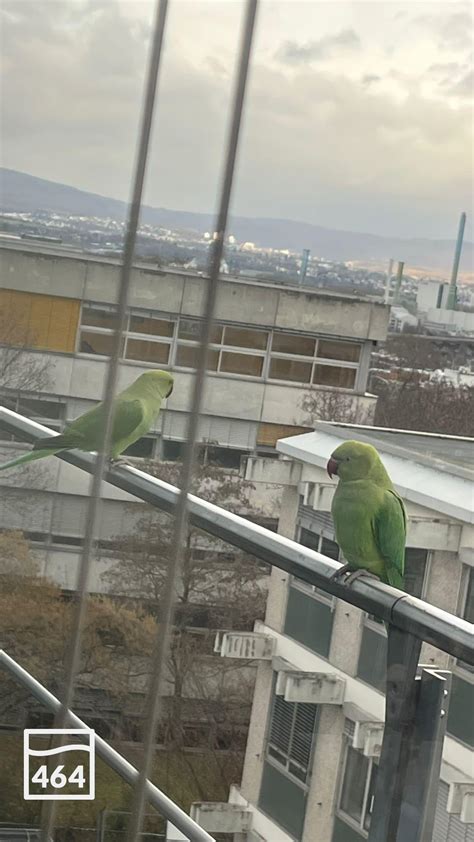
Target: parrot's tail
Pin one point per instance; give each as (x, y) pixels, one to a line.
(28, 457)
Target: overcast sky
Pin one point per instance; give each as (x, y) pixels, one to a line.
(359, 114)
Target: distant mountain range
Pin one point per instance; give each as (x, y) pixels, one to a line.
(22, 192)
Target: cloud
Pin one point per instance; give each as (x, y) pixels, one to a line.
(453, 30)
(293, 53)
(370, 78)
(315, 144)
(464, 87)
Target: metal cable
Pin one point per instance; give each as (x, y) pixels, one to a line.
(163, 639)
(49, 813)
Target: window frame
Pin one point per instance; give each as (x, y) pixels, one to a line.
(284, 770)
(305, 587)
(339, 812)
(266, 355)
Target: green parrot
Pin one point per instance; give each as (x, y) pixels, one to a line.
(369, 516)
(135, 411)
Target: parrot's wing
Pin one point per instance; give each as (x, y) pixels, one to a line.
(85, 432)
(390, 528)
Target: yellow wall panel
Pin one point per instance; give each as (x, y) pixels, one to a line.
(38, 321)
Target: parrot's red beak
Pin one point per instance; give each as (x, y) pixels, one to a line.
(331, 467)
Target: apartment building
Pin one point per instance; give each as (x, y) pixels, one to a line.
(271, 346)
(310, 768)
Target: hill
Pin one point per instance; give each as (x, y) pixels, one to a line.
(22, 192)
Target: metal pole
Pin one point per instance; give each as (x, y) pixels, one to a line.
(443, 630)
(451, 302)
(50, 807)
(403, 652)
(398, 282)
(153, 795)
(387, 283)
(163, 641)
(426, 750)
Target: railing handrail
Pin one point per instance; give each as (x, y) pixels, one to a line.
(109, 755)
(427, 622)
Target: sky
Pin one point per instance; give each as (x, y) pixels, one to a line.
(358, 114)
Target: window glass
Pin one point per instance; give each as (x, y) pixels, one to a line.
(173, 451)
(332, 350)
(226, 457)
(295, 370)
(286, 343)
(241, 363)
(329, 548)
(191, 329)
(150, 352)
(156, 327)
(96, 317)
(143, 448)
(246, 337)
(353, 787)
(370, 797)
(186, 356)
(97, 343)
(331, 375)
(415, 565)
(33, 407)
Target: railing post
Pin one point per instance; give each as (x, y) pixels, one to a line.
(421, 785)
(403, 653)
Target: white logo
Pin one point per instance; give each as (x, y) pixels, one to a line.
(76, 772)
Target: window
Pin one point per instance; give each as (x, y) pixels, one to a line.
(45, 411)
(332, 350)
(141, 449)
(373, 650)
(310, 611)
(286, 343)
(97, 343)
(148, 352)
(153, 327)
(241, 363)
(96, 317)
(460, 719)
(191, 329)
(294, 370)
(357, 791)
(173, 451)
(291, 736)
(246, 338)
(331, 375)
(186, 357)
(286, 768)
(225, 457)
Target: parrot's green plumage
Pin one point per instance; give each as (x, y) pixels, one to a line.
(134, 412)
(369, 515)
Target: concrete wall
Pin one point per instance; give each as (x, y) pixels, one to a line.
(174, 292)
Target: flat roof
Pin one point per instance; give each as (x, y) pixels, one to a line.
(71, 253)
(435, 471)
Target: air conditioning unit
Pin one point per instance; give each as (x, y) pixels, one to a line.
(221, 817)
(250, 646)
(368, 737)
(461, 800)
(318, 688)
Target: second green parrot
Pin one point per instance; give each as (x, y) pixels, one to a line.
(369, 516)
(135, 411)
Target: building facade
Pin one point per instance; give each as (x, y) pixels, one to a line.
(310, 768)
(271, 346)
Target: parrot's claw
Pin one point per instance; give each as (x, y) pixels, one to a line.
(341, 571)
(356, 574)
(113, 462)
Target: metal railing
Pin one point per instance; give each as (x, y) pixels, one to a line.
(416, 705)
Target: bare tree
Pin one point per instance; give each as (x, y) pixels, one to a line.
(334, 406)
(220, 587)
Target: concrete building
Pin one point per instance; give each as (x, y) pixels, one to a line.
(318, 710)
(271, 346)
(400, 319)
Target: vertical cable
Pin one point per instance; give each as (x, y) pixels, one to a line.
(49, 813)
(163, 640)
